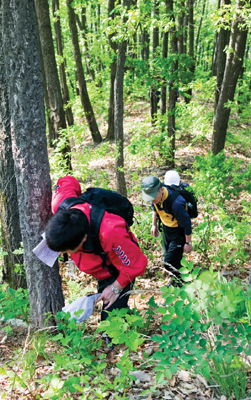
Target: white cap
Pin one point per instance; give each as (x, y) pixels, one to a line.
(172, 178)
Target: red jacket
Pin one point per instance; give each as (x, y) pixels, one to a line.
(115, 238)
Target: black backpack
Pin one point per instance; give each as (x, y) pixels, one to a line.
(188, 196)
(101, 200)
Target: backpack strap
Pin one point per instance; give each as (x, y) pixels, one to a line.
(171, 198)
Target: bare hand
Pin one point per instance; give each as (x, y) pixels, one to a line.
(108, 296)
(154, 231)
(188, 248)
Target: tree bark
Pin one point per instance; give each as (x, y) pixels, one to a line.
(10, 224)
(233, 67)
(119, 113)
(223, 40)
(114, 48)
(29, 149)
(62, 64)
(89, 114)
(199, 27)
(188, 94)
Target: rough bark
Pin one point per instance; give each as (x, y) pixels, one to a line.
(233, 68)
(29, 149)
(181, 18)
(119, 112)
(85, 100)
(215, 50)
(188, 94)
(223, 40)
(114, 48)
(10, 225)
(62, 65)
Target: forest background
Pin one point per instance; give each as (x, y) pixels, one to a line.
(112, 92)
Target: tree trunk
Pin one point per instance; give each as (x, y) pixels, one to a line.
(57, 113)
(118, 113)
(84, 32)
(154, 89)
(233, 67)
(163, 87)
(199, 27)
(188, 94)
(181, 18)
(172, 90)
(114, 48)
(89, 114)
(10, 224)
(223, 40)
(62, 64)
(29, 149)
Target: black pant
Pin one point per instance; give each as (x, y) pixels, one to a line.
(173, 254)
(121, 302)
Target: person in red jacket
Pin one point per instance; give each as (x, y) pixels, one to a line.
(68, 232)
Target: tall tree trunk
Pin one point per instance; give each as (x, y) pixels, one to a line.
(10, 224)
(181, 18)
(172, 89)
(223, 40)
(233, 67)
(114, 48)
(29, 149)
(164, 56)
(119, 112)
(215, 51)
(199, 27)
(84, 32)
(57, 113)
(89, 114)
(188, 94)
(154, 89)
(62, 65)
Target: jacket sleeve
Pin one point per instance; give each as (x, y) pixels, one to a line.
(181, 214)
(65, 187)
(122, 249)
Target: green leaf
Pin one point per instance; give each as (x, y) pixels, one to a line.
(203, 342)
(196, 316)
(161, 310)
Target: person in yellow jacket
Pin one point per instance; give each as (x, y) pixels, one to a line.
(177, 227)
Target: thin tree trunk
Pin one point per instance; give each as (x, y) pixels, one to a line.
(188, 94)
(153, 89)
(89, 114)
(163, 87)
(119, 112)
(233, 67)
(84, 32)
(114, 47)
(172, 90)
(62, 65)
(29, 149)
(57, 113)
(215, 51)
(199, 27)
(181, 18)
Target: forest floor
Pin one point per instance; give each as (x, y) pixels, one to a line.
(183, 385)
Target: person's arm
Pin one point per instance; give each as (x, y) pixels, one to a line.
(154, 229)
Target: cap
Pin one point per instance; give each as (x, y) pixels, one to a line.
(172, 178)
(150, 187)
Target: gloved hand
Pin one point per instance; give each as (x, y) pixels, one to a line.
(85, 303)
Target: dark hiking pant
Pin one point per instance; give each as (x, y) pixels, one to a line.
(173, 254)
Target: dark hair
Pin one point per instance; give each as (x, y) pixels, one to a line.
(66, 229)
